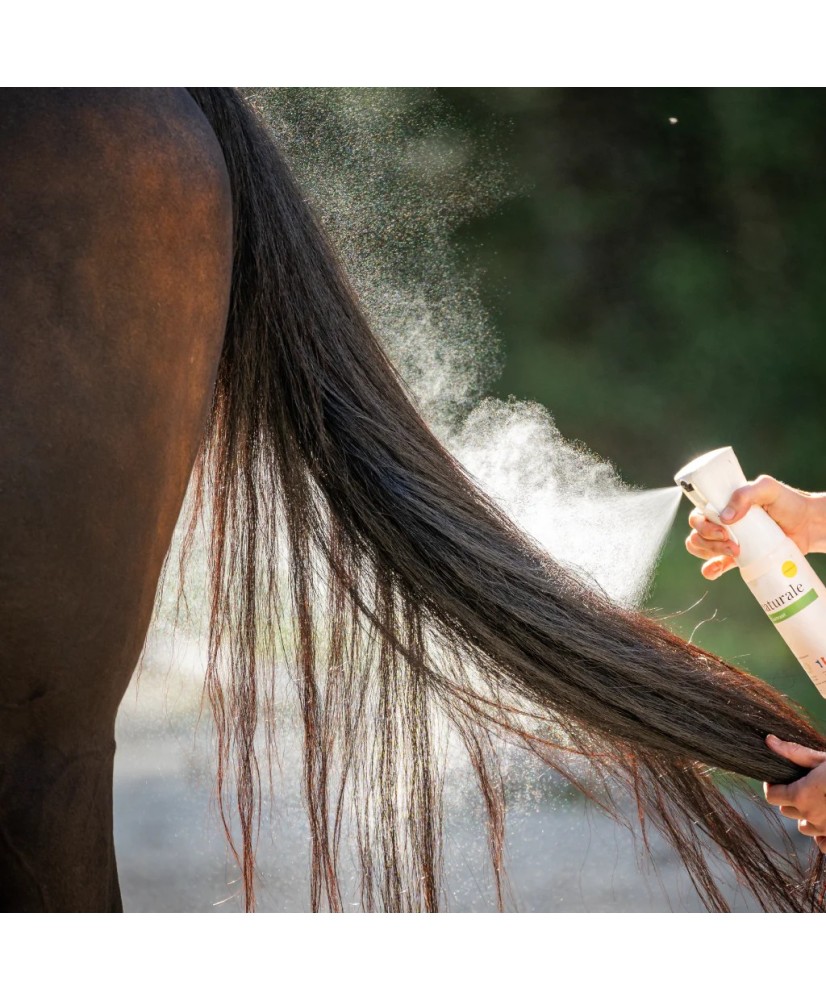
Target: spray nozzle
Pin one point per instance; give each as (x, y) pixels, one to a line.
(709, 482)
(711, 478)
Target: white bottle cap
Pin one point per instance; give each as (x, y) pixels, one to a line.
(708, 482)
(714, 476)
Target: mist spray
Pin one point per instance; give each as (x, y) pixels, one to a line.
(773, 567)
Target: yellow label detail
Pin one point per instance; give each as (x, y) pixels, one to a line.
(788, 568)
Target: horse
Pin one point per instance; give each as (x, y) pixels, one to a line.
(174, 317)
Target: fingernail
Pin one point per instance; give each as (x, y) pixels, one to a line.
(727, 514)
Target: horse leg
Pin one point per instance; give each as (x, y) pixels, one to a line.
(115, 264)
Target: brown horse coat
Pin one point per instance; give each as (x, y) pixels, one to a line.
(115, 263)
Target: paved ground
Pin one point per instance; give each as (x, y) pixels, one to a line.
(172, 855)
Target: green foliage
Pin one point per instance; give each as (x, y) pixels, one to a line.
(659, 287)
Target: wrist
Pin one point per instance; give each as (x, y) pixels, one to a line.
(816, 521)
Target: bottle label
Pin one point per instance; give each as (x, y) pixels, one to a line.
(797, 604)
(785, 588)
(794, 599)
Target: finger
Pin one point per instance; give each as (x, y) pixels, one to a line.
(821, 843)
(804, 756)
(705, 548)
(791, 813)
(762, 492)
(705, 528)
(715, 568)
(779, 795)
(809, 829)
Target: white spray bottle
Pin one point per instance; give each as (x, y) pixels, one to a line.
(774, 568)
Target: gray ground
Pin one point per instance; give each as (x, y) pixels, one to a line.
(172, 855)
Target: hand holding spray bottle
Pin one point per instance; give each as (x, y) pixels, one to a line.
(772, 565)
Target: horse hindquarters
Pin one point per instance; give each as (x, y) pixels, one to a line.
(115, 262)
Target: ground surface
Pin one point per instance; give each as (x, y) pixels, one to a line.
(172, 855)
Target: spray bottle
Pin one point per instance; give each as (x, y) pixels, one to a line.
(773, 567)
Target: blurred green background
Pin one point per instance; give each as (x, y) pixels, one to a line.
(659, 286)
(652, 261)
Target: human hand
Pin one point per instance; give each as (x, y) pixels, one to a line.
(804, 799)
(801, 515)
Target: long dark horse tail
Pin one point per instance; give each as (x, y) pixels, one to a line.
(415, 612)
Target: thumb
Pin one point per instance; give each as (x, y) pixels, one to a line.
(761, 493)
(804, 756)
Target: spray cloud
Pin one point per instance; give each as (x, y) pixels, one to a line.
(392, 177)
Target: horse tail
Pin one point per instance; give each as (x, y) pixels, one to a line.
(413, 611)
